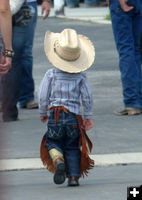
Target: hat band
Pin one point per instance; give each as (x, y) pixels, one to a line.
(67, 55)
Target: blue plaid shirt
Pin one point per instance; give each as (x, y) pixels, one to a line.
(60, 88)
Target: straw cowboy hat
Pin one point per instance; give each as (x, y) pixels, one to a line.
(69, 51)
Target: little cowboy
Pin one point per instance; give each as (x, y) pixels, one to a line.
(61, 93)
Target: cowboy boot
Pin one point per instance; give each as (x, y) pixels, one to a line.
(73, 181)
(58, 161)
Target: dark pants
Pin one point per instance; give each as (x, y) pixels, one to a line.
(27, 83)
(64, 136)
(1, 49)
(141, 48)
(19, 82)
(127, 29)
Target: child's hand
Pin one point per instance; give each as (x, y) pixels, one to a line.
(88, 124)
(43, 119)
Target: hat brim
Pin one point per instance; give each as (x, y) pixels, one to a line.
(85, 60)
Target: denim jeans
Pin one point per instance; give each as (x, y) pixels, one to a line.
(19, 78)
(72, 3)
(0, 91)
(27, 83)
(141, 49)
(1, 49)
(91, 2)
(64, 136)
(127, 29)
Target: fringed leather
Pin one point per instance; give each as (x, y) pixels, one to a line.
(47, 162)
(86, 162)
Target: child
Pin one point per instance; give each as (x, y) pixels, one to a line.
(59, 93)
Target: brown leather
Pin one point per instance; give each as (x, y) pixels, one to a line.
(57, 112)
(86, 162)
(58, 160)
(47, 162)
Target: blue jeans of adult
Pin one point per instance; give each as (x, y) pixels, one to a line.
(72, 3)
(27, 83)
(19, 77)
(141, 48)
(91, 2)
(64, 136)
(127, 29)
(0, 91)
(1, 49)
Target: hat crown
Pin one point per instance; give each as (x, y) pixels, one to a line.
(69, 51)
(69, 39)
(67, 46)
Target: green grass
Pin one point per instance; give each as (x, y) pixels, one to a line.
(108, 17)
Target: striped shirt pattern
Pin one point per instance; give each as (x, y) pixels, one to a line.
(70, 90)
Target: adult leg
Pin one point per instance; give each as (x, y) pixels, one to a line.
(0, 95)
(72, 3)
(90, 3)
(141, 48)
(27, 82)
(122, 24)
(137, 30)
(11, 80)
(1, 49)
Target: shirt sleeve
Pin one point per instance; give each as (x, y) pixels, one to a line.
(87, 98)
(44, 93)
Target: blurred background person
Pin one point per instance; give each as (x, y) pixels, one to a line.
(18, 84)
(5, 41)
(5, 37)
(126, 17)
(59, 7)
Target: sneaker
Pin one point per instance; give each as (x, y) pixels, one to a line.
(73, 181)
(30, 105)
(129, 111)
(59, 176)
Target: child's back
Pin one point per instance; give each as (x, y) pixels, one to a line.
(65, 89)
